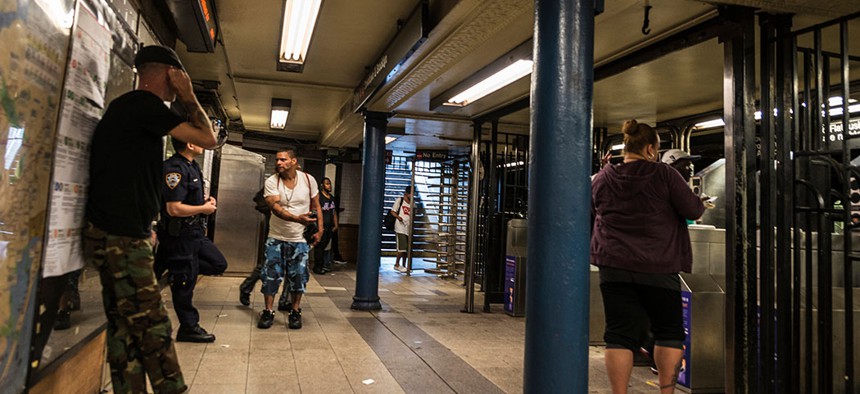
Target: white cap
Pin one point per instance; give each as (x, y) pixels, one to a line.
(673, 155)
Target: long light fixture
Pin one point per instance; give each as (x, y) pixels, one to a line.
(505, 77)
(837, 111)
(280, 112)
(504, 70)
(709, 124)
(835, 104)
(300, 17)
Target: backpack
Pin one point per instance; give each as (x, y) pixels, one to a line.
(389, 217)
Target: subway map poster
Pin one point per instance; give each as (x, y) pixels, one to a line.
(35, 38)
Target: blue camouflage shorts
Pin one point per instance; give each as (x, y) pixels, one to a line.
(290, 258)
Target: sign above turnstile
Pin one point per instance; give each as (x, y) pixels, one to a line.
(835, 133)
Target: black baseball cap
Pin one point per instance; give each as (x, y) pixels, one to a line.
(157, 54)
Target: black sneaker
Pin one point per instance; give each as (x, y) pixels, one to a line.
(193, 334)
(296, 319)
(64, 320)
(245, 298)
(285, 306)
(267, 318)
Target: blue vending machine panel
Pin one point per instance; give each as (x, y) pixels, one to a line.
(686, 305)
(510, 278)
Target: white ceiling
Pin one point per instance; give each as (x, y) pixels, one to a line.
(351, 34)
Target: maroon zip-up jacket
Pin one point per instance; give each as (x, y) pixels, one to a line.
(639, 213)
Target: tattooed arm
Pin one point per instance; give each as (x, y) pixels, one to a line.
(198, 129)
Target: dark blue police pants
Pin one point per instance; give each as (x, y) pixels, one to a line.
(185, 257)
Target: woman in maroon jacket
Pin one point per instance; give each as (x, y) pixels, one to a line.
(640, 243)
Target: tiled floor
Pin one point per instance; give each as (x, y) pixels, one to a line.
(419, 342)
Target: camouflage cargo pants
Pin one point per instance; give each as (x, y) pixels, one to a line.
(138, 329)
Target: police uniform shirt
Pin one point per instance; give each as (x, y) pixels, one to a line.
(296, 201)
(183, 182)
(126, 164)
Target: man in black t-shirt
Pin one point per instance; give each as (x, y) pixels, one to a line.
(183, 249)
(322, 252)
(124, 194)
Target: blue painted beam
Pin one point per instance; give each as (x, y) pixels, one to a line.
(370, 230)
(557, 281)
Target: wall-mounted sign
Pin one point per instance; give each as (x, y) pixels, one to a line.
(430, 155)
(408, 39)
(80, 110)
(835, 132)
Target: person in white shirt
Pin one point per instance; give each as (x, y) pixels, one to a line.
(402, 211)
(293, 198)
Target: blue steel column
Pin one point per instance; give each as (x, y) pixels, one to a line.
(557, 281)
(370, 231)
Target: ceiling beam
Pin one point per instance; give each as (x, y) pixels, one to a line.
(692, 36)
(686, 38)
(513, 107)
(260, 80)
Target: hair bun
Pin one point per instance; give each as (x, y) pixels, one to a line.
(631, 127)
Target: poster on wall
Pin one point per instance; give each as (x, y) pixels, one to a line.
(34, 36)
(82, 106)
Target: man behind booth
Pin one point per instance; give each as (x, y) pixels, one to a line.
(680, 161)
(183, 249)
(124, 193)
(293, 198)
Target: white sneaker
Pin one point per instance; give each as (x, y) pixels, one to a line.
(399, 268)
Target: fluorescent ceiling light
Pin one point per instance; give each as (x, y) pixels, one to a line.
(280, 112)
(709, 124)
(512, 164)
(506, 76)
(837, 111)
(279, 118)
(300, 17)
(389, 139)
(835, 104)
(836, 101)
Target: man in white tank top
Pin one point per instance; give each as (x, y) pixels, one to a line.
(293, 198)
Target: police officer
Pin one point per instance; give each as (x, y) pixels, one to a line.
(184, 250)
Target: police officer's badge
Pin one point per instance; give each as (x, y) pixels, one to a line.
(172, 179)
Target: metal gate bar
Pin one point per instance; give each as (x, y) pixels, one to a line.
(822, 162)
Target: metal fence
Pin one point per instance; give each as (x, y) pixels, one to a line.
(808, 210)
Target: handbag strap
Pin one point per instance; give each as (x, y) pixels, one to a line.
(310, 198)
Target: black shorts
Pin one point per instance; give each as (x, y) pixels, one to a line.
(632, 303)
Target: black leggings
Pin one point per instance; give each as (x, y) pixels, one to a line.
(631, 307)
